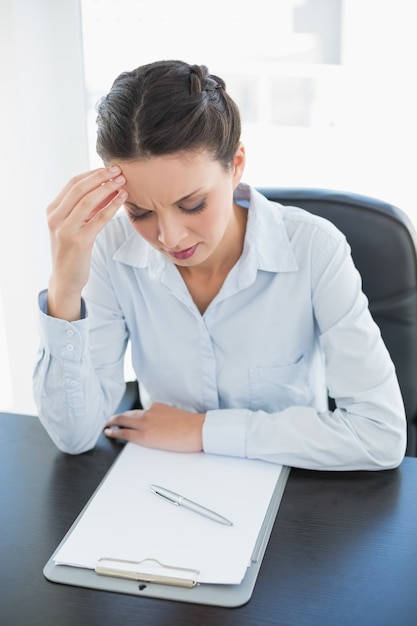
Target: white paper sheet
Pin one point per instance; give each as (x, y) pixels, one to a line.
(125, 520)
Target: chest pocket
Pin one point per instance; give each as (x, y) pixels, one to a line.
(279, 387)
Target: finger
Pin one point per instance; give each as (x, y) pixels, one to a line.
(95, 185)
(103, 197)
(92, 213)
(102, 205)
(126, 434)
(128, 419)
(103, 213)
(65, 190)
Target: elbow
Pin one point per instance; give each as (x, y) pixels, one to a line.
(69, 443)
(391, 442)
(72, 448)
(396, 452)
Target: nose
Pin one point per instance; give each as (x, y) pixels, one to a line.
(171, 232)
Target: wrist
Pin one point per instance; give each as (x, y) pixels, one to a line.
(63, 304)
(200, 417)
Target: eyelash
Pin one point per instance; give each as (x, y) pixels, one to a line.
(198, 209)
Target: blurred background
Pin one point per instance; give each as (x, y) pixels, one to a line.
(326, 89)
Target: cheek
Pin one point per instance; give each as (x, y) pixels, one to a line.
(148, 229)
(216, 215)
(204, 222)
(215, 221)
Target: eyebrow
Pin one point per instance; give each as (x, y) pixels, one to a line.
(139, 208)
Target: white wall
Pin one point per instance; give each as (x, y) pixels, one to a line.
(43, 143)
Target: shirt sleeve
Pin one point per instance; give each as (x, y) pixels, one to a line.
(78, 379)
(367, 430)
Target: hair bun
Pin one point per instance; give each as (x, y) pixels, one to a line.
(201, 80)
(197, 73)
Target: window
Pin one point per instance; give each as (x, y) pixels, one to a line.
(326, 99)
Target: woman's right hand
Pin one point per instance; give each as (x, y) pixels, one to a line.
(82, 209)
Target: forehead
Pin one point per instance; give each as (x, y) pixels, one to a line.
(166, 179)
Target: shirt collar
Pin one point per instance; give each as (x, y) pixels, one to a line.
(266, 240)
(267, 246)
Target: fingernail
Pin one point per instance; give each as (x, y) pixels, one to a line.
(114, 169)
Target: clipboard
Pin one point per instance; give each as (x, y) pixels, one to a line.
(168, 582)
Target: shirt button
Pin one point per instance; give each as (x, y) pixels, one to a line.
(70, 347)
(70, 332)
(73, 383)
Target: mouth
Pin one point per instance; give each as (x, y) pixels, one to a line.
(184, 254)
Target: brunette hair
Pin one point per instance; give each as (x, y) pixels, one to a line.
(167, 107)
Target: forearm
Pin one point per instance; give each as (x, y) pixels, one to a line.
(361, 437)
(75, 218)
(74, 397)
(72, 405)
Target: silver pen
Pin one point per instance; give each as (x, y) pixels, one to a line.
(175, 498)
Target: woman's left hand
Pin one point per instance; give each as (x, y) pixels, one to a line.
(160, 426)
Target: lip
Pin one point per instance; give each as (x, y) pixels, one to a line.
(184, 254)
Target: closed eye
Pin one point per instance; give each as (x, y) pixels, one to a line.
(137, 217)
(136, 213)
(197, 209)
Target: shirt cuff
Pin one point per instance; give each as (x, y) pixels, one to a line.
(224, 432)
(62, 339)
(43, 304)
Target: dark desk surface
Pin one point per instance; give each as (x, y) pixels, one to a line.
(343, 550)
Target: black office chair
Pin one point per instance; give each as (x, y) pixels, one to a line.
(384, 249)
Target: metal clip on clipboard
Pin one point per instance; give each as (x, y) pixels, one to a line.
(123, 568)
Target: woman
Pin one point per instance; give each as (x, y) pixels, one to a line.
(242, 314)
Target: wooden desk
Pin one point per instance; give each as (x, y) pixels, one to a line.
(343, 550)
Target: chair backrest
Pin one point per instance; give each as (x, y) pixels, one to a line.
(384, 249)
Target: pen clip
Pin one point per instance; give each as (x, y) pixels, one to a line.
(164, 496)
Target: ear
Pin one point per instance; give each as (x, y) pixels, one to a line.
(239, 161)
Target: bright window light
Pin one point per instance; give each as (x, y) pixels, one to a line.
(326, 100)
